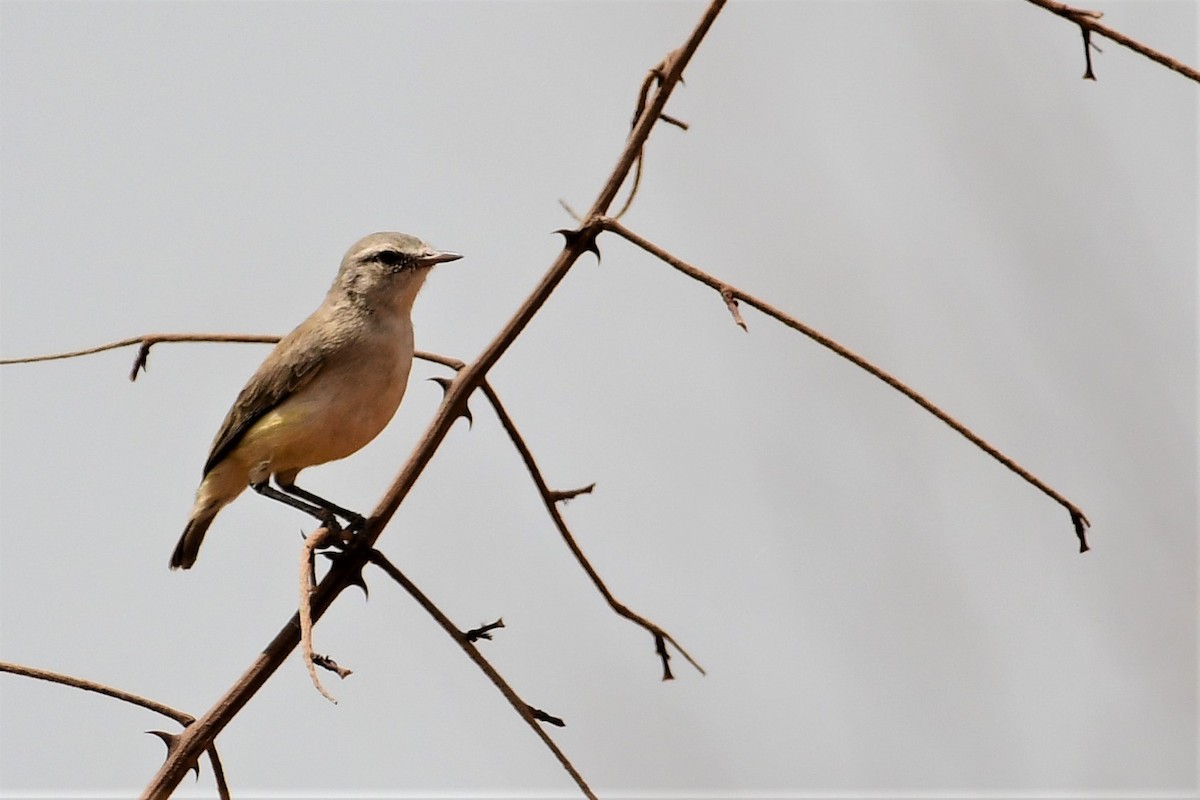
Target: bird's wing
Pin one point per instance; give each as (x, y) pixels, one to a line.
(284, 371)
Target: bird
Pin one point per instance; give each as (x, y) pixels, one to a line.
(326, 389)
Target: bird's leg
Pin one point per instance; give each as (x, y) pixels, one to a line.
(325, 515)
(357, 522)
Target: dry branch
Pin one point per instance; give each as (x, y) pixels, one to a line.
(1089, 23)
(99, 688)
(527, 712)
(308, 581)
(169, 739)
(732, 295)
(145, 342)
(550, 499)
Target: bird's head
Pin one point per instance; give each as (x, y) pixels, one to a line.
(387, 269)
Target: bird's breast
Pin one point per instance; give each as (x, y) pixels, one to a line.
(346, 405)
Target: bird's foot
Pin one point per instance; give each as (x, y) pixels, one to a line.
(337, 534)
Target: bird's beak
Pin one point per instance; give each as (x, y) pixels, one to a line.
(432, 257)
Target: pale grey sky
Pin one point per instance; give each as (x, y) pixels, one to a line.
(881, 607)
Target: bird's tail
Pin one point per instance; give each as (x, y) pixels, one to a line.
(189, 544)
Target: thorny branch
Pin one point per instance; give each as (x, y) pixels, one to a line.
(1089, 23)
(732, 295)
(145, 342)
(550, 498)
(528, 713)
(181, 717)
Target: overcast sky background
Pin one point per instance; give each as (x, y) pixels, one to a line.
(881, 607)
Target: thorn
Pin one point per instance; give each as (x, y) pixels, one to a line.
(562, 496)
(141, 362)
(361, 582)
(1081, 525)
(445, 383)
(1088, 75)
(171, 740)
(334, 555)
(483, 631)
(732, 304)
(573, 237)
(538, 714)
(328, 663)
(678, 123)
(660, 647)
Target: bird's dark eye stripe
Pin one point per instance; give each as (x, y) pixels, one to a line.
(391, 258)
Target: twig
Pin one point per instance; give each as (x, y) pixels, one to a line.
(99, 688)
(527, 712)
(325, 662)
(483, 631)
(678, 123)
(146, 341)
(542, 716)
(308, 580)
(181, 717)
(566, 495)
(550, 499)
(567, 207)
(1078, 519)
(1089, 22)
(658, 73)
(218, 772)
(732, 304)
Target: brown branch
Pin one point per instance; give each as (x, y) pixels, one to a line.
(633, 190)
(659, 74)
(526, 711)
(175, 714)
(99, 688)
(146, 341)
(218, 772)
(1089, 22)
(308, 581)
(550, 499)
(1078, 519)
(346, 568)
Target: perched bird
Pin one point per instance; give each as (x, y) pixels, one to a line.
(326, 390)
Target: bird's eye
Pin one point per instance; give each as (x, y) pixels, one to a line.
(390, 257)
